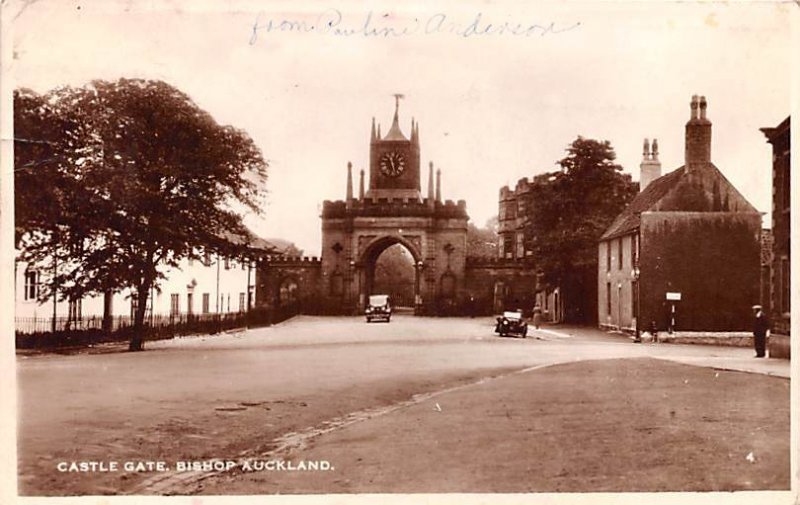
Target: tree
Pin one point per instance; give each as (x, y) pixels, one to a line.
(152, 182)
(482, 242)
(568, 211)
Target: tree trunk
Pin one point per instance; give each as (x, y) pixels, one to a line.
(137, 340)
(108, 312)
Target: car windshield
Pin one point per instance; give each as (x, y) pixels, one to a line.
(512, 315)
(377, 300)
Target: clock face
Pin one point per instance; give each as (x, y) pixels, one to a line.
(392, 164)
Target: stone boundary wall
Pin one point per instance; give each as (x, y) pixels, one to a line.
(724, 338)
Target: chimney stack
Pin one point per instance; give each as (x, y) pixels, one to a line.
(439, 185)
(698, 136)
(650, 168)
(430, 185)
(349, 201)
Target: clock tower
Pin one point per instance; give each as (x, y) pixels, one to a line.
(394, 161)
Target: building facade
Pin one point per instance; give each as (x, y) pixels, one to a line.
(779, 306)
(514, 253)
(667, 259)
(213, 285)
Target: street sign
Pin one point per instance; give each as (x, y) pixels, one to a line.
(673, 296)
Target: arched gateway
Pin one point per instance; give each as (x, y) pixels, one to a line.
(391, 211)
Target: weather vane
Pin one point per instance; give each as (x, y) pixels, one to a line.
(397, 97)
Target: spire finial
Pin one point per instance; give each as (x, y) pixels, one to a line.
(394, 130)
(397, 97)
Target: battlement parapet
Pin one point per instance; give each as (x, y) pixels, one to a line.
(394, 207)
(284, 260)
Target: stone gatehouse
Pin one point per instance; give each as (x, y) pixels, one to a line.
(389, 208)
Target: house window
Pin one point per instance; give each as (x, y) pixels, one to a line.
(174, 304)
(31, 285)
(205, 303)
(502, 211)
(508, 246)
(221, 303)
(511, 211)
(608, 256)
(227, 263)
(207, 258)
(787, 195)
(634, 255)
(75, 309)
(189, 304)
(520, 245)
(608, 297)
(241, 302)
(229, 302)
(785, 286)
(619, 253)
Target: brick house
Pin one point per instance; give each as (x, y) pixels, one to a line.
(685, 253)
(779, 302)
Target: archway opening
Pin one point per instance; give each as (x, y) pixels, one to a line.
(394, 274)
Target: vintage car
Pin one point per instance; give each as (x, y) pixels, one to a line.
(511, 322)
(378, 308)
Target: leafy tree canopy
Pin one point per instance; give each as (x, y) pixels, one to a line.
(570, 209)
(482, 242)
(117, 180)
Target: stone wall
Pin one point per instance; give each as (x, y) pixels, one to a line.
(283, 281)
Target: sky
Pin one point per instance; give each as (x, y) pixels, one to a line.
(494, 103)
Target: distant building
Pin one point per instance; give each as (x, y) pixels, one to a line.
(685, 253)
(515, 274)
(780, 278)
(212, 285)
(511, 220)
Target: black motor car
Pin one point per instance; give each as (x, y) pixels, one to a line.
(511, 322)
(378, 308)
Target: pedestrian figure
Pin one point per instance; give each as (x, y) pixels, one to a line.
(760, 328)
(537, 316)
(654, 331)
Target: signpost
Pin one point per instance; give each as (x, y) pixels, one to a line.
(672, 297)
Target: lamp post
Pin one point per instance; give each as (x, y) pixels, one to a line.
(353, 294)
(417, 284)
(636, 273)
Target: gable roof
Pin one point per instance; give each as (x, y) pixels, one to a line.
(630, 218)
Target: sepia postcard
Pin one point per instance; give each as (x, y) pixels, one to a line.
(348, 252)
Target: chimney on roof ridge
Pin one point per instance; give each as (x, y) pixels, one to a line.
(650, 168)
(698, 136)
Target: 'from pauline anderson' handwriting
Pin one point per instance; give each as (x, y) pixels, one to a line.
(372, 25)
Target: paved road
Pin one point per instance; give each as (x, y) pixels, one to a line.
(224, 396)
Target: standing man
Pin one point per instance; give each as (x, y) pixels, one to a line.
(760, 328)
(537, 316)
